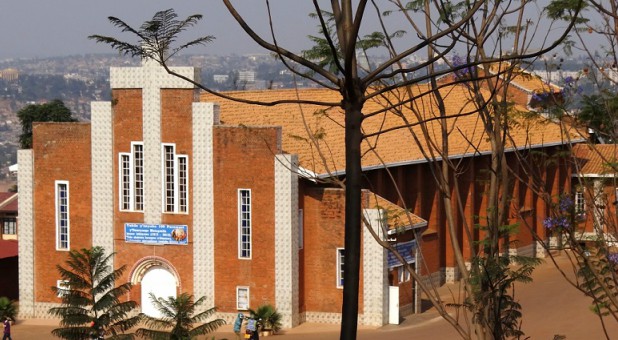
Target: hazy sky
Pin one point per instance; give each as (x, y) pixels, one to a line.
(42, 28)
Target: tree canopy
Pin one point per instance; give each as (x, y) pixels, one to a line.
(54, 111)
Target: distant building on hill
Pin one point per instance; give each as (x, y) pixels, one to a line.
(9, 74)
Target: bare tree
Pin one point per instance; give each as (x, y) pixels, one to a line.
(476, 28)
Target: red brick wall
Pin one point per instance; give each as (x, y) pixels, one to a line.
(324, 211)
(61, 152)
(176, 119)
(244, 159)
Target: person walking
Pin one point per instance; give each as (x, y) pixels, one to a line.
(7, 329)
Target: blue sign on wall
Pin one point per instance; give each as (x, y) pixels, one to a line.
(405, 249)
(156, 233)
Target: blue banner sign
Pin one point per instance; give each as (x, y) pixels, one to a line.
(405, 249)
(156, 233)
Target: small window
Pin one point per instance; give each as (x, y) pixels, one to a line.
(244, 223)
(9, 226)
(340, 265)
(242, 298)
(63, 287)
(403, 274)
(579, 202)
(62, 215)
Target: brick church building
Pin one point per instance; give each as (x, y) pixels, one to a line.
(228, 201)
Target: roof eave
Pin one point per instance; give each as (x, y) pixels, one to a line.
(458, 156)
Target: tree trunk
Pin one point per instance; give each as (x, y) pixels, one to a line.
(352, 105)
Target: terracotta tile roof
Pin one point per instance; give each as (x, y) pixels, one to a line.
(523, 79)
(8, 201)
(595, 159)
(396, 216)
(8, 248)
(397, 146)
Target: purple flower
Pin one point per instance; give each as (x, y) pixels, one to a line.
(549, 223)
(568, 80)
(560, 222)
(613, 258)
(565, 204)
(459, 61)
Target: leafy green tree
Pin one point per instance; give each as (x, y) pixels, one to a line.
(8, 309)
(54, 111)
(91, 302)
(178, 319)
(599, 112)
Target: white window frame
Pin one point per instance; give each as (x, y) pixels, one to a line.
(166, 183)
(579, 202)
(182, 194)
(340, 264)
(242, 229)
(9, 225)
(134, 176)
(127, 182)
(59, 245)
(403, 275)
(63, 287)
(176, 196)
(238, 300)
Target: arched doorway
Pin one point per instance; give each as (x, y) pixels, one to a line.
(159, 281)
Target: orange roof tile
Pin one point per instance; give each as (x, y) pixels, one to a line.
(597, 159)
(326, 154)
(523, 79)
(397, 218)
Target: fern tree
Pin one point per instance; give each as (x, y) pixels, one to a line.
(178, 319)
(156, 36)
(91, 302)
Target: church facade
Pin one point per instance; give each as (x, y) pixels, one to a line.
(219, 199)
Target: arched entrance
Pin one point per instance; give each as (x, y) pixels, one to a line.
(155, 275)
(160, 282)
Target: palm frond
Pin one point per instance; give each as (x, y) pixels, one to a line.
(155, 36)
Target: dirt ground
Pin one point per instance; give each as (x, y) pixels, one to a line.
(550, 307)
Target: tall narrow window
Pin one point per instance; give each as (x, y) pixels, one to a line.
(182, 183)
(131, 178)
(138, 166)
(244, 223)
(125, 181)
(175, 180)
(169, 180)
(340, 263)
(62, 215)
